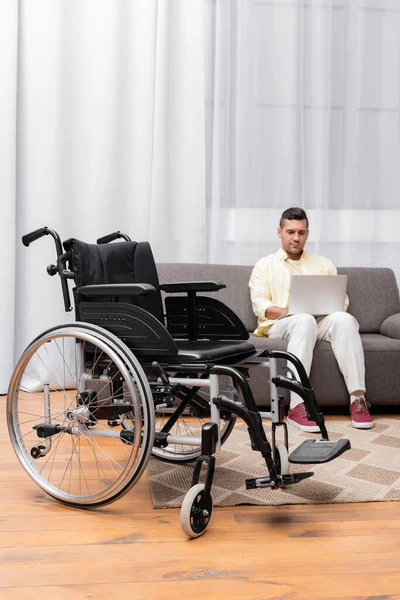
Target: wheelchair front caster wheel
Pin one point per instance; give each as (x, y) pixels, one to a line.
(282, 460)
(196, 511)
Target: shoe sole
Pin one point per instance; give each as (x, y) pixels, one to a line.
(307, 428)
(362, 425)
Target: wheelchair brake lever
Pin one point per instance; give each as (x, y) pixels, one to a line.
(157, 368)
(64, 275)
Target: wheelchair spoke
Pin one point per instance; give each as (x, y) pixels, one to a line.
(187, 425)
(40, 382)
(65, 364)
(61, 419)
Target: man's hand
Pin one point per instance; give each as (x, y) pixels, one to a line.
(274, 312)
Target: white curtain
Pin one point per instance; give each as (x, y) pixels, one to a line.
(101, 129)
(8, 182)
(193, 124)
(303, 110)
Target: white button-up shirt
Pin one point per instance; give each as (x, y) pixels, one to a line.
(270, 282)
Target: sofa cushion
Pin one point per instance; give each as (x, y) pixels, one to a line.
(391, 326)
(372, 342)
(373, 294)
(382, 356)
(261, 343)
(367, 302)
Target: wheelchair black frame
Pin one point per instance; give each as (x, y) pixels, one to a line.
(206, 375)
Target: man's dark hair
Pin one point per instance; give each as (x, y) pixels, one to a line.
(293, 213)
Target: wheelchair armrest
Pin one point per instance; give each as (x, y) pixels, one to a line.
(192, 286)
(116, 289)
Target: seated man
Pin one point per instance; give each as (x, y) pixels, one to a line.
(270, 288)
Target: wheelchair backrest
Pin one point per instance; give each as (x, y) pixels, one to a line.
(120, 262)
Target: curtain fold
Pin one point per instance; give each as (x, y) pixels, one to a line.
(302, 109)
(102, 123)
(8, 179)
(193, 125)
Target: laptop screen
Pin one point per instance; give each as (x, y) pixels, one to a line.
(317, 294)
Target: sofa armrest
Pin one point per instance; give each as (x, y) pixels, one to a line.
(191, 286)
(391, 326)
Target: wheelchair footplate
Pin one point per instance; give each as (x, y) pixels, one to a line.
(318, 451)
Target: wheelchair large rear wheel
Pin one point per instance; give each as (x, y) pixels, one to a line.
(80, 415)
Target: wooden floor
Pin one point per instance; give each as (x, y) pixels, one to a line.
(130, 550)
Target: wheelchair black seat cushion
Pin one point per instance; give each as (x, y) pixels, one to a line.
(121, 262)
(212, 352)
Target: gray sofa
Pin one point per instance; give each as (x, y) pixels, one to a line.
(374, 302)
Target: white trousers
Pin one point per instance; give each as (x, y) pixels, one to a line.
(340, 329)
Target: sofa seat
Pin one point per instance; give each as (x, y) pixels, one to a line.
(374, 302)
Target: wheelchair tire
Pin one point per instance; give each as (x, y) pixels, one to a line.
(196, 511)
(282, 460)
(61, 388)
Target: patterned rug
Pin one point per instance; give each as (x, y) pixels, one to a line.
(370, 471)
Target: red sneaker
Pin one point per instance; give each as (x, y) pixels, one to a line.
(360, 417)
(297, 416)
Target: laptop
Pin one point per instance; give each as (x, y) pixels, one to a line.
(317, 294)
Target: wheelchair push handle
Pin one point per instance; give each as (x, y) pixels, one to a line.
(52, 270)
(28, 238)
(110, 237)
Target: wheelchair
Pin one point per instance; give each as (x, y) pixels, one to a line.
(90, 401)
